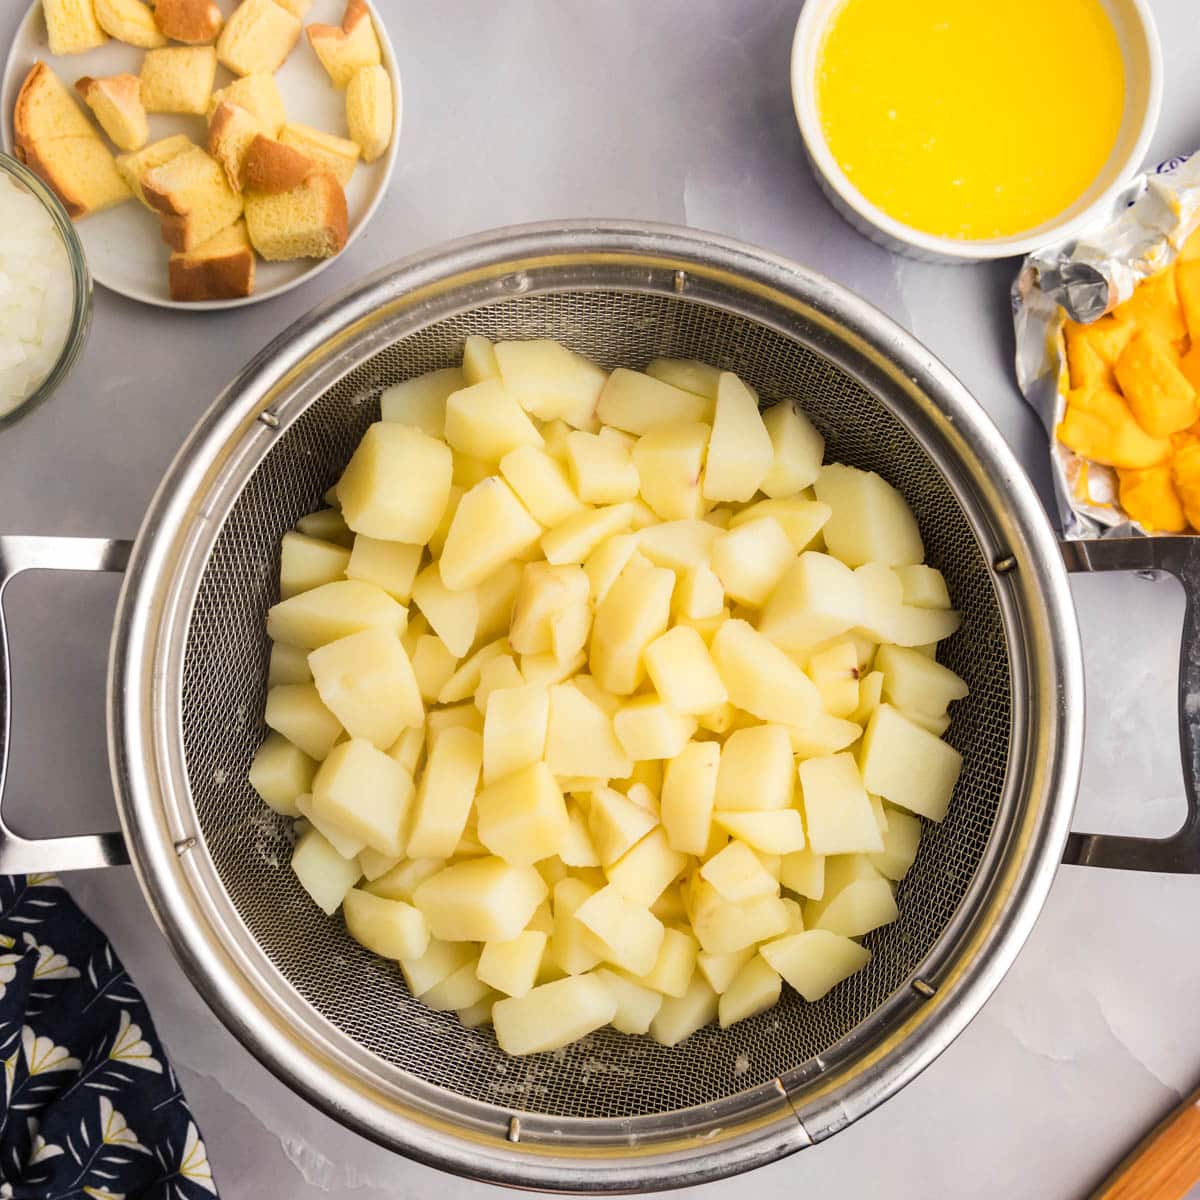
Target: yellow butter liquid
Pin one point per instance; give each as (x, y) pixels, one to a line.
(971, 118)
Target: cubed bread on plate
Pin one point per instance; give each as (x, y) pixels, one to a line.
(230, 133)
(336, 154)
(72, 27)
(258, 94)
(53, 138)
(370, 111)
(129, 21)
(193, 198)
(192, 21)
(134, 166)
(178, 79)
(116, 102)
(271, 167)
(257, 37)
(344, 49)
(310, 221)
(220, 269)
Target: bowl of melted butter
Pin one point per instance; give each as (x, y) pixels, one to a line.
(960, 130)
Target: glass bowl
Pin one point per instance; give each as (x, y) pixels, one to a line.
(81, 288)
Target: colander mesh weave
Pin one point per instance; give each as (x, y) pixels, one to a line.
(608, 1075)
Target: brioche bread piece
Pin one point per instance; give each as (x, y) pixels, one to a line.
(72, 26)
(178, 79)
(193, 198)
(336, 154)
(298, 8)
(271, 167)
(257, 38)
(310, 221)
(52, 137)
(220, 269)
(192, 21)
(345, 48)
(369, 111)
(257, 94)
(129, 21)
(134, 166)
(116, 102)
(230, 133)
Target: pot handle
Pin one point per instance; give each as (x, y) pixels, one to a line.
(1180, 852)
(19, 855)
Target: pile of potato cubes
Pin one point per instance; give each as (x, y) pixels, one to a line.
(597, 699)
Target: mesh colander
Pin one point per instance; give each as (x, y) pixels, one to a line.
(188, 673)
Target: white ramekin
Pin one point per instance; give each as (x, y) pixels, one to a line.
(1143, 98)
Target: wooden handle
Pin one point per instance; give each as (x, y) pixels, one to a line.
(1165, 1164)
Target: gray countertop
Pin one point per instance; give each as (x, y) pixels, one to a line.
(674, 111)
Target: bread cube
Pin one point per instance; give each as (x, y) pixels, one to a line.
(333, 611)
(72, 26)
(637, 1006)
(757, 772)
(522, 817)
(445, 793)
(344, 49)
(178, 79)
(133, 166)
(680, 1016)
(190, 21)
(737, 875)
(280, 772)
(815, 961)
(552, 1015)
(296, 711)
(760, 678)
(636, 610)
(630, 936)
(511, 967)
(221, 268)
(309, 220)
(323, 873)
(257, 38)
(755, 988)
(638, 403)
(871, 522)
(574, 539)
(688, 792)
(837, 810)
(370, 111)
(388, 927)
(908, 765)
(551, 382)
(453, 615)
(480, 900)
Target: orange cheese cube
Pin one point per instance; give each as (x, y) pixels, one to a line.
(1158, 392)
(1150, 498)
(1154, 306)
(1087, 365)
(1185, 472)
(1099, 425)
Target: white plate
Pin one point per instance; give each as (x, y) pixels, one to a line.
(123, 246)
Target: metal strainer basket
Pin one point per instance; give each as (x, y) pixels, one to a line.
(188, 676)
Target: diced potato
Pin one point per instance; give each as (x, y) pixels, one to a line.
(511, 967)
(328, 525)
(548, 670)
(674, 966)
(422, 401)
(323, 873)
(552, 1015)
(908, 765)
(669, 908)
(642, 796)
(751, 560)
(817, 599)
(853, 905)
(480, 900)
(602, 470)
(307, 562)
(798, 449)
(462, 989)
(295, 711)
(669, 462)
(572, 946)
(541, 484)
(740, 452)
(688, 373)
(688, 793)
(458, 716)
(484, 422)
(835, 672)
(391, 566)
(760, 678)
(698, 593)
(901, 841)
(467, 678)
(637, 1006)
(396, 484)
(551, 382)
(924, 587)
(437, 539)
(333, 611)
(404, 878)
(679, 545)
(795, 915)
(636, 610)
(498, 674)
(757, 773)
(480, 1013)
(837, 810)
(552, 870)
(917, 685)
(432, 665)
(388, 927)
(647, 869)
(580, 739)
(280, 772)
(680, 1017)
(408, 748)
(577, 849)
(347, 845)
(445, 794)
(289, 664)
(375, 865)
(574, 539)
(366, 793)
(495, 597)
(648, 728)
(468, 472)
(756, 988)
(514, 730)
(522, 817)
(542, 920)
(777, 832)
(815, 961)
(722, 927)
(870, 693)
(453, 615)
(737, 874)
(490, 528)
(638, 403)
(616, 823)
(479, 360)
(802, 520)
(630, 936)
(545, 592)
(367, 682)
(871, 522)
(722, 969)
(440, 961)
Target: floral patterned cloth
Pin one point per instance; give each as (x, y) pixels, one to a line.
(91, 1105)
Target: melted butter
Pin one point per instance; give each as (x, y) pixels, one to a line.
(969, 119)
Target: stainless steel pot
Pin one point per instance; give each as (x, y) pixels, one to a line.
(187, 674)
